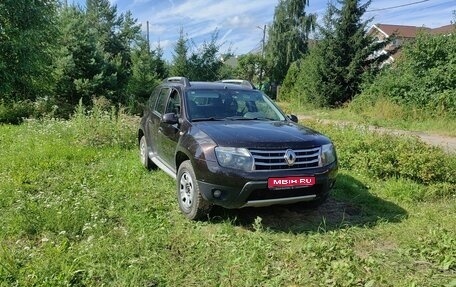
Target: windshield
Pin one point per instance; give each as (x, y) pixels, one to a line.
(231, 105)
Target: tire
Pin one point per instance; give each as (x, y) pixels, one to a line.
(191, 202)
(144, 154)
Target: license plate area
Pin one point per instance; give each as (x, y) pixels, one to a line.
(291, 182)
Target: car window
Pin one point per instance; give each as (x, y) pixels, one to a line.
(173, 105)
(153, 98)
(161, 101)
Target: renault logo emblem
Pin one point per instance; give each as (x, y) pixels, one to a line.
(290, 157)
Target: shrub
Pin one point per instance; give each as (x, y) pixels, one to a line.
(15, 112)
(390, 156)
(286, 91)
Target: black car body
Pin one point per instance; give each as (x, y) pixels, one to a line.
(230, 145)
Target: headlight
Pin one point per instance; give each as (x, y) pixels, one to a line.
(237, 158)
(328, 154)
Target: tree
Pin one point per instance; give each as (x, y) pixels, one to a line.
(424, 76)
(180, 62)
(115, 35)
(205, 63)
(159, 65)
(79, 64)
(144, 77)
(228, 70)
(288, 36)
(333, 72)
(94, 58)
(249, 67)
(26, 46)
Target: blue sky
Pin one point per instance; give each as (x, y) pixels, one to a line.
(238, 21)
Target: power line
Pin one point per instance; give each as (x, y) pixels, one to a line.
(398, 6)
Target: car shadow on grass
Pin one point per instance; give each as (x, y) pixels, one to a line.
(350, 204)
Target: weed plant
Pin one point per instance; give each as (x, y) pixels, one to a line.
(103, 125)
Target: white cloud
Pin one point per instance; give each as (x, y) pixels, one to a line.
(208, 10)
(240, 21)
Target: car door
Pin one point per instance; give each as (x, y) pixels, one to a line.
(169, 134)
(154, 119)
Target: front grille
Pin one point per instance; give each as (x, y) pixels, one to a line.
(275, 159)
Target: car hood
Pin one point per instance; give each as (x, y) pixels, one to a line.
(261, 134)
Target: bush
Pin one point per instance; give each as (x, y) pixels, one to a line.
(389, 156)
(287, 90)
(15, 112)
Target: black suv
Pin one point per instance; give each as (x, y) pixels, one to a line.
(229, 144)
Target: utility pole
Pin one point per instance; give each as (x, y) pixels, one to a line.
(264, 39)
(263, 42)
(147, 37)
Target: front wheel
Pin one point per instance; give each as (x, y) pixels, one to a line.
(191, 202)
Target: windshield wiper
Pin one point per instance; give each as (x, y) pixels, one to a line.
(263, 119)
(236, 118)
(206, 119)
(240, 118)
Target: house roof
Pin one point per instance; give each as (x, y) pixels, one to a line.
(447, 29)
(401, 30)
(411, 31)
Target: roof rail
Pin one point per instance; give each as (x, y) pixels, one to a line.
(182, 80)
(244, 83)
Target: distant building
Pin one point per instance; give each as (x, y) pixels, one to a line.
(402, 34)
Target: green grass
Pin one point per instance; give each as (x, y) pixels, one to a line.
(77, 209)
(382, 113)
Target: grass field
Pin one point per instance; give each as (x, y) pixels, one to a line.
(77, 209)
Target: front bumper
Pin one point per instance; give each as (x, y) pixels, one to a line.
(242, 189)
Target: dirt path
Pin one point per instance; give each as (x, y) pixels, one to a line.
(448, 144)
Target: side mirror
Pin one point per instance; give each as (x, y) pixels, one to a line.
(293, 118)
(170, 118)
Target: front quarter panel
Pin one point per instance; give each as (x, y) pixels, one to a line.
(198, 146)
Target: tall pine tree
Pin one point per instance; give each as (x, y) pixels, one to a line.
(144, 78)
(159, 64)
(95, 54)
(79, 63)
(348, 51)
(179, 65)
(334, 70)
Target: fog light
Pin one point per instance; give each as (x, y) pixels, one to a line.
(217, 193)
